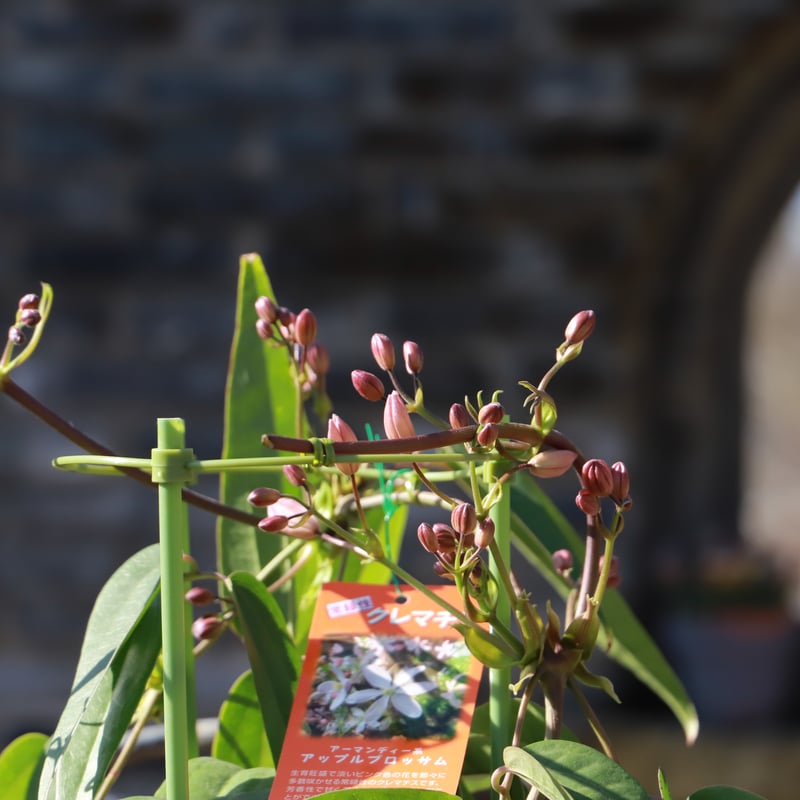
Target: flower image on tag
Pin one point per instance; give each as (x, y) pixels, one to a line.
(385, 698)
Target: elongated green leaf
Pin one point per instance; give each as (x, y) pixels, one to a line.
(723, 793)
(586, 773)
(273, 656)
(20, 765)
(260, 398)
(385, 794)
(122, 642)
(533, 772)
(622, 636)
(240, 737)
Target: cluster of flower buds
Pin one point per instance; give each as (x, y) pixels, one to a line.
(206, 627)
(284, 514)
(28, 316)
(599, 481)
(298, 332)
(457, 545)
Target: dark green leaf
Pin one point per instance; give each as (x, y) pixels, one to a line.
(273, 656)
(723, 793)
(20, 764)
(532, 771)
(240, 737)
(122, 642)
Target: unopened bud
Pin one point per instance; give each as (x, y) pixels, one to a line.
(396, 419)
(263, 496)
(551, 463)
(274, 523)
(587, 502)
(305, 327)
(459, 416)
(412, 355)
(562, 561)
(491, 412)
(382, 351)
(442, 571)
(446, 538)
(463, 518)
(206, 628)
(487, 435)
(597, 478)
(29, 301)
(427, 538)
(340, 431)
(484, 535)
(284, 316)
(15, 335)
(319, 359)
(368, 385)
(30, 317)
(301, 524)
(266, 309)
(295, 474)
(200, 596)
(580, 327)
(621, 482)
(263, 329)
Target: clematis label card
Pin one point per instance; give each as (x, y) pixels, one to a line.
(385, 697)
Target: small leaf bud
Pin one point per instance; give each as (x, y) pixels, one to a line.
(463, 518)
(551, 463)
(382, 351)
(459, 416)
(412, 355)
(562, 561)
(340, 431)
(587, 502)
(368, 385)
(491, 412)
(484, 536)
(319, 359)
(427, 538)
(200, 596)
(487, 435)
(295, 474)
(206, 628)
(274, 523)
(597, 478)
(621, 482)
(396, 419)
(305, 327)
(263, 496)
(29, 301)
(580, 327)
(266, 310)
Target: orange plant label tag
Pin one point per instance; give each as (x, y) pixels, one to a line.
(385, 697)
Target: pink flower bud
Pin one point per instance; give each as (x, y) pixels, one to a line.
(446, 538)
(621, 482)
(295, 474)
(301, 524)
(463, 518)
(340, 431)
(266, 310)
(396, 419)
(285, 316)
(562, 561)
(484, 536)
(264, 329)
(274, 523)
(29, 317)
(368, 385)
(491, 412)
(487, 435)
(200, 596)
(382, 351)
(15, 335)
(459, 416)
(412, 355)
(263, 496)
(551, 463)
(597, 478)
(427, 538)
(206, 628)
(587, 502)
(29, 301)
(319, 359)
(305, 327)
(580, 327)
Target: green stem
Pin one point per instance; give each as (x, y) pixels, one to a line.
(279, 558)
(602, 581)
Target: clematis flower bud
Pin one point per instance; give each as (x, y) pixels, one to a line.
(491, 412)
(207, 627)
(562, 561)
(446, 538)
(274, 523)
(319, 358)
(427, 538)
(580, 327)
(382, 351)
(551, 463)
(15, 335)
(487, 435)
(412, 355)
(301, 524)
(29, 301)
(621, 482)
(266, 309)
(263, 496)
(459, 416)
(295, 474)
(305, 327)
(368, 385)
(484, 536)
(587, 502)
(396, 419)
(340, 431)
(463, 518)
(264, 329)
(200, 596)
(29, 317)
(597, 477)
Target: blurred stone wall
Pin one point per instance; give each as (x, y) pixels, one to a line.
(465, 173)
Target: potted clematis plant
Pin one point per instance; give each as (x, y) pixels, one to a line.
(363, 672)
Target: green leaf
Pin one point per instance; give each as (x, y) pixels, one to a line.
(122, 642)
(249, 784)
(488, 648)
(586, 773)
(532, 771)
(207, 777)
(273, 656)
(260, 398)
(622, 636)
(384, 794)
(723, 793)
(663, 786)
(240, 737)
(20, 765)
